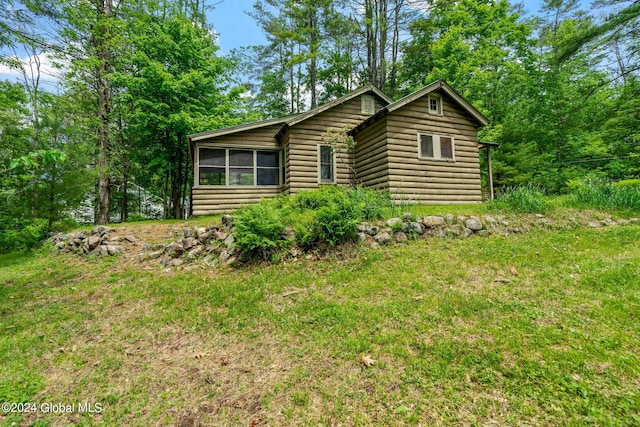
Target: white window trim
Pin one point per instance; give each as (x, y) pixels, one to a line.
(227, 167)
(438, 100)
(436, 147)
(367, 101)
(333, 166)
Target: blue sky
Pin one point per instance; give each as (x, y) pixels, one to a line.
(231, 22)
(237, 29)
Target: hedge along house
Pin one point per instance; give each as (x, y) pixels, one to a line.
(422, 148)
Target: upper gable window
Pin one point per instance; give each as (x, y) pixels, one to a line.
(368, 104)
(435, 104)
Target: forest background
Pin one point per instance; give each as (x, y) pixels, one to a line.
(560, 88)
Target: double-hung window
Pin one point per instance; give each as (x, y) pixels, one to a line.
(436, 147)
(239, 167)
(326, 165)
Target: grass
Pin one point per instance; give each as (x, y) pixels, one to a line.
(533, 329)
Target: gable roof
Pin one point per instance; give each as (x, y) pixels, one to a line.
(291, 120)
(438, 84)
(239, 128)
(368, 88)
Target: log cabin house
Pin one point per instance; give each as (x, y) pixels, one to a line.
(422, 148)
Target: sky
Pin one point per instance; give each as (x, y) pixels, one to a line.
(236, 28)
(230, 20)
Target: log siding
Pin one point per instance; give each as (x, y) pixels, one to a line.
(386, 155)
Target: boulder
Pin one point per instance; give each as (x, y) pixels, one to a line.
(401, 237)
(392, 221)
(174, 250)
(188, 233)
(93, 241)
(204, 237)
(416, 227)
(228, 220)
(171, 262)
(449, 218)
(230, 240)
(221, 235)
(433, 221)
(473, 224)
(408, 217)
(383, 237)
(466, 232)
(195, 253)
(189, 243)
(362, 237)
(101, 229)
(130, 239)
(224, 256)
(372, 230)
(112, 249)
(155, 254)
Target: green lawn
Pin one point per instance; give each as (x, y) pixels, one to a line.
(541, 328)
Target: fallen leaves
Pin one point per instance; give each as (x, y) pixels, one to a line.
(367, 361)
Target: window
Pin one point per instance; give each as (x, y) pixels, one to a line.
(436, 147)
(212, 167)
(435, 104)
(229, 167)
(368, 104)
(326, 164)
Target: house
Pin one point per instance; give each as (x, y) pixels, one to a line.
(422, 148)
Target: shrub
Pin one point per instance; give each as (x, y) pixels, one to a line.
(373, 202)
(595, 193)
(21, 234)
(337, 221)
(523, 199)
(259, 230)
(316, 199)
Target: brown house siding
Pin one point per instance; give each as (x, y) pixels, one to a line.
(216, 200)
(412, 179)
(372, 156)
(306, 136)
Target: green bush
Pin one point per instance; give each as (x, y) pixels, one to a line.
(135, 217)
(595, 193)
(373, 202)
(337, 221)
(523, 199)
(259, 230)
(20, 234)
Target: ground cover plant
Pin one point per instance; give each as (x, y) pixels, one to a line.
(595, 193)
(327, 216)
(531, 329)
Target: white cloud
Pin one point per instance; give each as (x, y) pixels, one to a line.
(28, 66)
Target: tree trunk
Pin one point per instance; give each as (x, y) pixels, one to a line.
(101, 42)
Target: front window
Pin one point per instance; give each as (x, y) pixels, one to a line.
(212, 167)
(228, 167)
(326, 164)
(436, 147)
